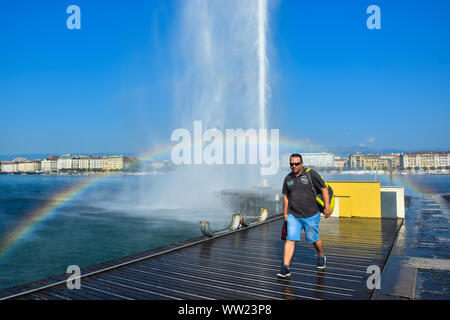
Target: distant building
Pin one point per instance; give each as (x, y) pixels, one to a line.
(49, 164)
(356, 160)
(115, 163)
(84, 163)
(65, 162)
(17, 165)
(426, 159)
(75, 164)
(103, 163)
(29, 166)
(318, 160)
(8, 167)
(81, 163)
(390, 160)
(340, 163)
(95, 163)
(443, 159)
(375, 161)
(108, 163)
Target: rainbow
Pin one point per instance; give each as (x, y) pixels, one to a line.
(413, 186)
(59, 199)
(41, 213)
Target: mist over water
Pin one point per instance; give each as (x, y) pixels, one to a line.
(111, 219)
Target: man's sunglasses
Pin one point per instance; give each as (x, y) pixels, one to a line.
(294, 163)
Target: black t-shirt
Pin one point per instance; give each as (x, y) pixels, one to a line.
(302, 201)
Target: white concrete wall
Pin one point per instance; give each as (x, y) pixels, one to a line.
(399, 211)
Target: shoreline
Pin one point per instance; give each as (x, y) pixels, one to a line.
(121, 173)
(83, 174)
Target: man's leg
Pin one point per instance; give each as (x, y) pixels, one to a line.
(293, 233)
(321, 259)
(318, 245)
(312, 235)
(294, 229)
(289, 247)
(311, 226)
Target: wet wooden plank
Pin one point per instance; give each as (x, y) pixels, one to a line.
(243, 265)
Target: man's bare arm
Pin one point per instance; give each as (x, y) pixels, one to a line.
(285, 207)
(326, 200)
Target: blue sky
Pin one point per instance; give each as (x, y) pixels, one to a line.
(109, 86)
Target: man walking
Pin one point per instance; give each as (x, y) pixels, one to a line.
(301, 211)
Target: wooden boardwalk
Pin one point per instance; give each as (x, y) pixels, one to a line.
(239, 265)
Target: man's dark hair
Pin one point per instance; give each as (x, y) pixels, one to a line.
(296, 155)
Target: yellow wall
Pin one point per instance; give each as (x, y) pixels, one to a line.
(358, 198)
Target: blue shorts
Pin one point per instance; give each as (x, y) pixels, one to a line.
(310, 225)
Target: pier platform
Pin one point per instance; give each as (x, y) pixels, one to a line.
(240, 264)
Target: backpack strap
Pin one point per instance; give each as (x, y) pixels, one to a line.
(308, 175)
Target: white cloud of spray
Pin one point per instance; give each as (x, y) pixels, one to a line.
(218, 81)
(219, 77)
(217, 53)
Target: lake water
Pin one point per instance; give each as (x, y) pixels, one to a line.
(118, 216)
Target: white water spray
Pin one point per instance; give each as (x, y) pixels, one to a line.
(220, 80)
(223, 71)
(262, 62)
